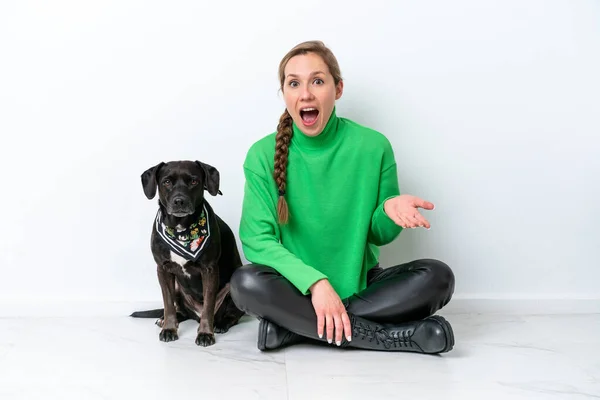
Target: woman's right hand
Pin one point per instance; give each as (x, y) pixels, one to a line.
(330, 311)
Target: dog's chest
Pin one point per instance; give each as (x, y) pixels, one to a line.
(177, 259)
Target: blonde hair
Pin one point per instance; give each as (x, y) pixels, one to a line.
(284, 127)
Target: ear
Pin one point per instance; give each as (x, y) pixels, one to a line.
(339, 89)
(149, 180)
(212, 178)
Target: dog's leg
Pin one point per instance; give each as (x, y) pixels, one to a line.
(210, 283)
(181, 315)
(170, 324)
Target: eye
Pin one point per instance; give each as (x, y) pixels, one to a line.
(318, 81)
(194, 182)
(294, 84)
(167, 182)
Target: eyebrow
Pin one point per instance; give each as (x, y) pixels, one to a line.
(312, 74)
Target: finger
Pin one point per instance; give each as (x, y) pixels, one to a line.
(320, 323)
(347, 329)
(414, 221)
(417, 219)
(427, 205)
(403, 221)
(339, 329)
(422, 221)
(411, 222)
(329, 327)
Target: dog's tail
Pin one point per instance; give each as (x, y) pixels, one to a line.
(157, 313)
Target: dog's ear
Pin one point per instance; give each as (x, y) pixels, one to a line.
(212, 178)
(149, 180)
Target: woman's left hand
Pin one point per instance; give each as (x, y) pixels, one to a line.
(403, 210)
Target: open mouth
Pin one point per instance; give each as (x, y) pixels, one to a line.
(309, 116)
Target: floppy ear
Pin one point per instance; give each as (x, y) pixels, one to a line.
(149, 180)
(212, 178)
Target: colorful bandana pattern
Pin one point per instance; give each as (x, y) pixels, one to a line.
(187, 242)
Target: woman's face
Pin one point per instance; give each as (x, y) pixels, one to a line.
(310, 92)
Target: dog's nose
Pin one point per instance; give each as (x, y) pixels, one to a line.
(178, 201)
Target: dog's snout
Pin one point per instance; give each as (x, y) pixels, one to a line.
(178, 201)
(180, 205)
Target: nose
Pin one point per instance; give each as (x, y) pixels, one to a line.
(306, 94)
(178, 201)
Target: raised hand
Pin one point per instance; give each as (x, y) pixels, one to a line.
(403, 210)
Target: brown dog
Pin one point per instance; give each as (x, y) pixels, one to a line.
(195, 251)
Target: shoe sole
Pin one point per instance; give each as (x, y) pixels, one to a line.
(262, 335)
(447, 330)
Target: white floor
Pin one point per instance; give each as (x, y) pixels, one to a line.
(496, 357)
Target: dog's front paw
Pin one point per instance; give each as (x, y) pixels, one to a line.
(168, 335)
(205, 339)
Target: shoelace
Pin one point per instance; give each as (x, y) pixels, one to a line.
(401, 338)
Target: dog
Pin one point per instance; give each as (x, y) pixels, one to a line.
(194, 249)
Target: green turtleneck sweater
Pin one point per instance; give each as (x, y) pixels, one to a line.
(337, 183)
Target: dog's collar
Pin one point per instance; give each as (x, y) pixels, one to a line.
(187, 242)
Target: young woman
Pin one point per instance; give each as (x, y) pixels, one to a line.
(321, 196)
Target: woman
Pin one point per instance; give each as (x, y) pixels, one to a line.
(321, 195)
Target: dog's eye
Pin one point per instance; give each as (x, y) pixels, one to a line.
(167, 182)
(194, 182)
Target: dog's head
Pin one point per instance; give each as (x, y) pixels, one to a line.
(181, 185)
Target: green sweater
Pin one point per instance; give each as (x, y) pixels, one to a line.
(337, 183)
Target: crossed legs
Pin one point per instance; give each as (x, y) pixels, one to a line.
(395, 311)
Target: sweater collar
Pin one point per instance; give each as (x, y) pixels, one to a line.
(322, 140)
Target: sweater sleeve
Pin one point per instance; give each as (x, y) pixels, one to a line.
(383, 229)
(260, 235)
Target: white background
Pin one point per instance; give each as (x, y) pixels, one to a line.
(492, 108)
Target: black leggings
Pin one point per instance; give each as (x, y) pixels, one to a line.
(406, 292)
